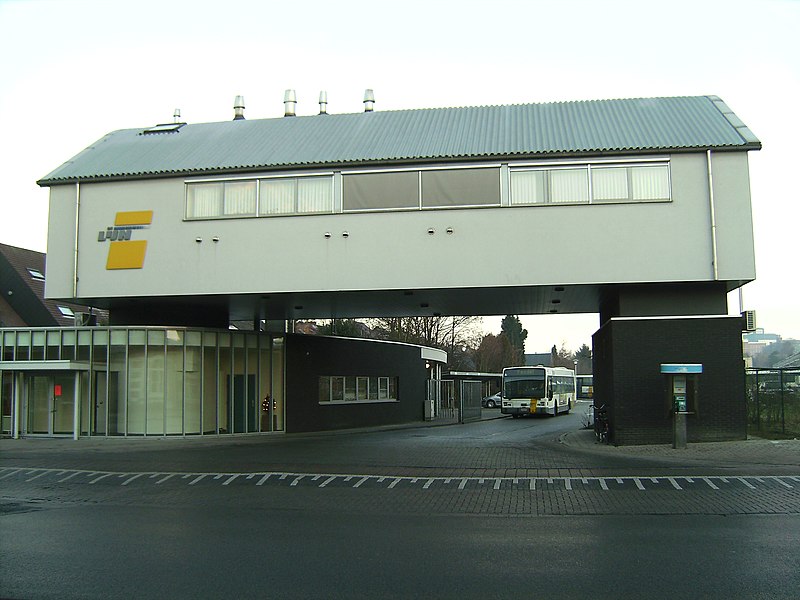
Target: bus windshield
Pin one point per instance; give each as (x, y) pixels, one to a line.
(532, 386)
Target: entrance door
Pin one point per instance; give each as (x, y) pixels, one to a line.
(51, 404)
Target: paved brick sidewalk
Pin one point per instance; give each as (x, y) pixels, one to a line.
(756, 451)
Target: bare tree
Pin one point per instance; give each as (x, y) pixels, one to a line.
(561, 357)
(458, 335)
(494, 353)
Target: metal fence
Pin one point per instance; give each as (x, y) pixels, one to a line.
(441, 400)
(773, 401)
(471, 393)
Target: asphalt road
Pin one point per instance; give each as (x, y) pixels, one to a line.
(497, 509)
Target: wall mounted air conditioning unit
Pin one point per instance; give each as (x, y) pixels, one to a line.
(85, 319)
(749, 320)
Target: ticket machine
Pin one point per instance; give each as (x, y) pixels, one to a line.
(682, 391)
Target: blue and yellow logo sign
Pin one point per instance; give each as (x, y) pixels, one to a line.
(124, 252)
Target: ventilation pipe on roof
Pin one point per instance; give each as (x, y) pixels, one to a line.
(176, 116)
(238, 108)
(289, 103)
(369, 101)
(323, 103)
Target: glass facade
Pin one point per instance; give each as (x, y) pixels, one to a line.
(153, 381)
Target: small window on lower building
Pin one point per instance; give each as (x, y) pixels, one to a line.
(337, 389)
(66, 311)
(353, 389)
(324, 389)
(362, 389)
(383, 388)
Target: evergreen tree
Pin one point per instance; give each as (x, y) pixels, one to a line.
(584, 358)
(511, 327)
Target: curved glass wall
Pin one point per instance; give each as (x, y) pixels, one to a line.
(145, 381)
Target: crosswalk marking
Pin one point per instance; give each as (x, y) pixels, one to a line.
(713, 483)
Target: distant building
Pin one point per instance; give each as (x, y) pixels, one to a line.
(22, 301)
(791, 362)
(544, 358)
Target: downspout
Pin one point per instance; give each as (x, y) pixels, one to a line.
(713, 217)
(75, 246)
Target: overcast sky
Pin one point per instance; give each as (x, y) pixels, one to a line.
(72, 71)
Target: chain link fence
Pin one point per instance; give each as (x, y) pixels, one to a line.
(773, 401)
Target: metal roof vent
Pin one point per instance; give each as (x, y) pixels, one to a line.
(289, 103)
(369, 101)
(323, 103)
(176, 116)
(238, 108)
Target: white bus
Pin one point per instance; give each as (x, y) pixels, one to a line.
(537, 390)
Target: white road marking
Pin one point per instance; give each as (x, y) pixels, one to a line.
(753, 482)
(37, 476)
(747, 483)
(127, 481)
(10, 474)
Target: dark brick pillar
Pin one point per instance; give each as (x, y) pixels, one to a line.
(628, 354)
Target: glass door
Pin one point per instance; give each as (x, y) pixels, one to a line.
(51, 404)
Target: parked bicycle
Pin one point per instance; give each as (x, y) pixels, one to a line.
(601, 427)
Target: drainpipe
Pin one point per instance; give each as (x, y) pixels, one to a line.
(713, 217)
(75, 246)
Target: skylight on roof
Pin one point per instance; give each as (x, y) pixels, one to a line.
(163, 128)
(66, 311)
(37, 275)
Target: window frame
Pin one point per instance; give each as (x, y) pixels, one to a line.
(336, 201)
(294, 177)
(590, 166)
(367, 389)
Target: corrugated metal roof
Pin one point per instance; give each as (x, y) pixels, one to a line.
(522, 130)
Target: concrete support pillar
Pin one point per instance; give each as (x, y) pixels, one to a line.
(76, 414)
(679, 430)
(17, 419)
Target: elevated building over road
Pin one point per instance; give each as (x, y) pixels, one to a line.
(637, 209)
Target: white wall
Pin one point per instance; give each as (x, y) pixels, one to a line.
(505, 246)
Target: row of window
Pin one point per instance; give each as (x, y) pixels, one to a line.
(341, 389)
(428, 189)
(560, 384)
